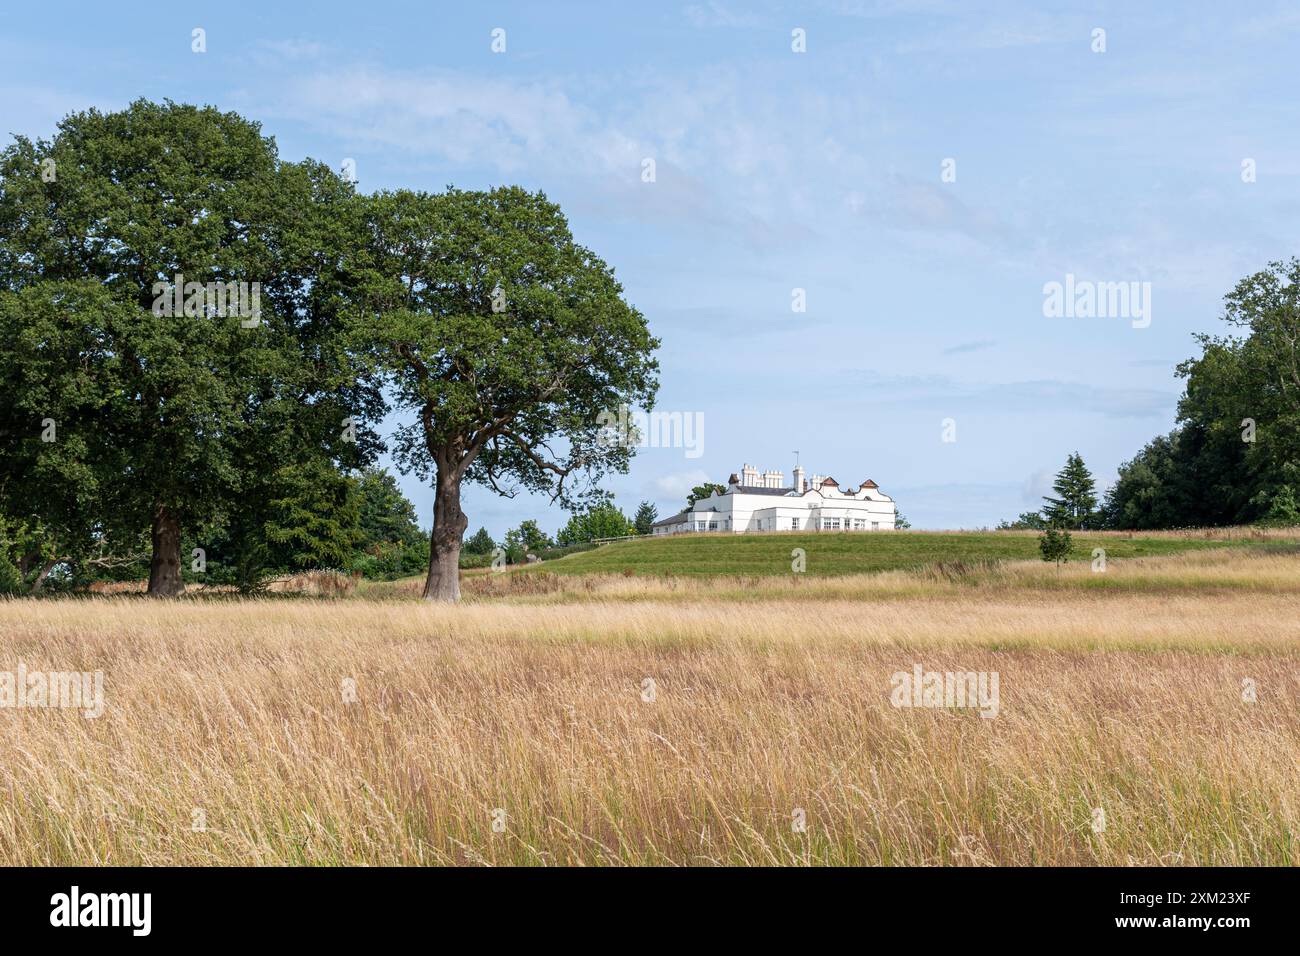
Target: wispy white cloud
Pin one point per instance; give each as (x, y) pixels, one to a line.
(502, 122)
(1037, 486)
(546, 130)
(711, 14)
(678, 485)
(35, 110)
(292, 49)
(963, 348)
(1046, 396)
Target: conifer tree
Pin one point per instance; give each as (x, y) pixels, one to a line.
(1075, 506)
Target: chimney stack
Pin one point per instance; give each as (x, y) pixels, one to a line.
(799, 485)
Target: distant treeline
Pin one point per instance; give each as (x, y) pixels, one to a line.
(1234, 456)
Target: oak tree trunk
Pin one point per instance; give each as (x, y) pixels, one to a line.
(45, 573)
(449, 523)
(165, 565)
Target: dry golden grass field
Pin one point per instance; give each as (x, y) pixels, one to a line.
(519, 727)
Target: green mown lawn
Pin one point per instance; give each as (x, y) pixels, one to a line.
(831, 553)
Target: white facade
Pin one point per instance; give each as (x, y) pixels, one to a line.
(757, 501)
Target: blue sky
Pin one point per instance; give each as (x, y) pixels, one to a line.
(778, 170)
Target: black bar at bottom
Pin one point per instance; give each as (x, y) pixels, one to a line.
(331, 906)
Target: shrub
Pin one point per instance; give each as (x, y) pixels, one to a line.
(1055, 545)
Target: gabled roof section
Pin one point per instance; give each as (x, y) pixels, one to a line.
(675, 519)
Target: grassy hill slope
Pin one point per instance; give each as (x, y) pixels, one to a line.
(835, 553)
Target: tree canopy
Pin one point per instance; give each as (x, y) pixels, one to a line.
(1075, 504)
(123, 242)
(603, 520)
(706, 490)
(1234, 457)
(481, 542)
(507, 340)
(646, 515)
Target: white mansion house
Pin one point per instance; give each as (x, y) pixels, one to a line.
(763, 502)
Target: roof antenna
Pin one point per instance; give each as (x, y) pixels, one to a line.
(796, 458)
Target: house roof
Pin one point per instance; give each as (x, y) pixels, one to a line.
(869, 484)
(675, 519)
(747, 490)
(830, 481)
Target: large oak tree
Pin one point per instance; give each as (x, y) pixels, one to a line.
(506, 339)
(170, 422)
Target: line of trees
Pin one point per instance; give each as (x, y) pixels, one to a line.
(599, 521)
(1234, 455)
(128, 425)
